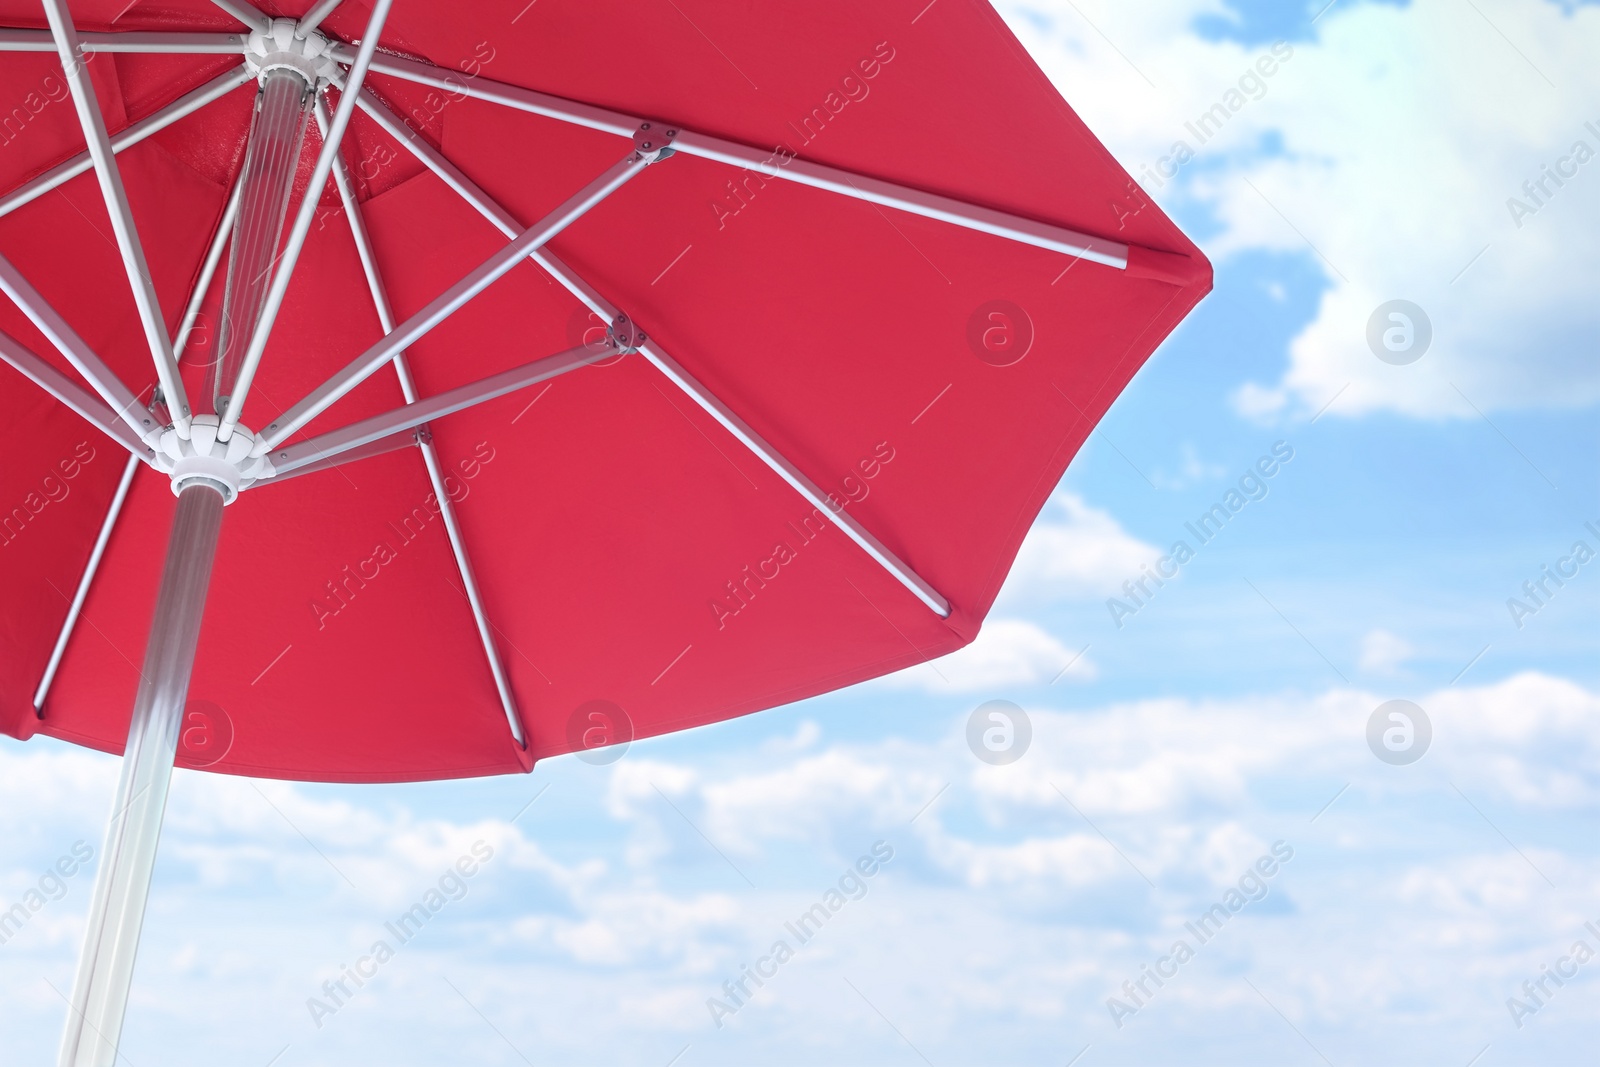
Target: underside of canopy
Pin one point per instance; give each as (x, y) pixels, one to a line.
(628, 546)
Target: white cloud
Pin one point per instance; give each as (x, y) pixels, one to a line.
(1007, 653)
(1191, 470)
(1404, 131)
(1074, 550)
(829, 788)
(1002, 901)
(1383, 652)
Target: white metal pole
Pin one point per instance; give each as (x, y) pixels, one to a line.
(190, 102)
(15, 40)
(245, 13)
(251, 358)
(833, 179)
(127, 861)
(84, 583)
(313, 18)
(383, 446)
(122, 224)
(277, 130)
(398, 420)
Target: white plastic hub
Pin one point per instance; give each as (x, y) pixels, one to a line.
(227, 463)
(278, 47)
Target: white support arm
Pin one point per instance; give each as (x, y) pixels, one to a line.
(240, 388)
(84, 583)
(122, 224)
(313, 18)
(208, 269)
(753, 441)
(245, 13)
(446, 303)
(334, 442)
(447, 171)
(216, 88)
(73, 395)
(65, 339)
(845, 183)
(381, 447)
(430, 458)
(15, 40)
(500, 217)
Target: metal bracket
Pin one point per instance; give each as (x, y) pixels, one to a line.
(654, 140)
(624, 335)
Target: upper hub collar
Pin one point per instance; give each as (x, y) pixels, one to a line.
(278, 47)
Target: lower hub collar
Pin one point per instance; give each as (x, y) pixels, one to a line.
(201, 457)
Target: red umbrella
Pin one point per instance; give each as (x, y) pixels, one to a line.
(834, 291)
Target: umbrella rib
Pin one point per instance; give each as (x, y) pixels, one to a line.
(16, 39)
(767, 163)
(458, 546)
(82, 592)
(764, 451)
(313, 18)
(73, 395)
(452, 176)
(452, 299)
(118, 397)
(302, 221)
(187, 104)
(98, 142)
(208, 269)
(248, 14)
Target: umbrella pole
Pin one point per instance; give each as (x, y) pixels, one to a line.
(127, 861)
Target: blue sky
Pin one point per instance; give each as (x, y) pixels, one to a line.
(1226, 715)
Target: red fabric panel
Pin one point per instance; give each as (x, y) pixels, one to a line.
(628, 549)
(57, 480)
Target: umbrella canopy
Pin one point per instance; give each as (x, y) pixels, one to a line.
(815, 468)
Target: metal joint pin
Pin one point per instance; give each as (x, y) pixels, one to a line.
(624, 335)
(654, 141)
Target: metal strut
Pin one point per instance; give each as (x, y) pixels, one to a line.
(430, 456)
(127, 860)
(674, 372)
